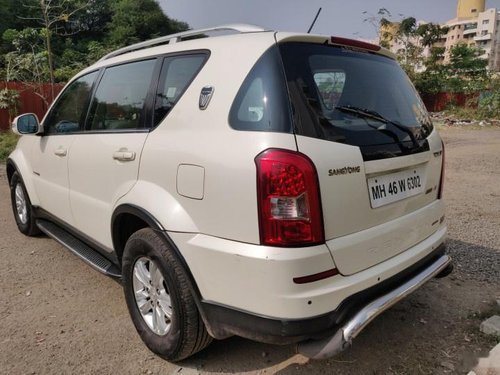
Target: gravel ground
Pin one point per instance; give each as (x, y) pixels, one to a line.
(57, 315)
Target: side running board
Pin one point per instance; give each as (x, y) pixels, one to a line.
(80, 249)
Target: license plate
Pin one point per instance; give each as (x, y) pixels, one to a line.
(394, 187)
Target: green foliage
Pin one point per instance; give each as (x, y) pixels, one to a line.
(9, 100)
(408, 27)
(136, 20)
(489, 104)
(80, 31)
(431, 33)
(484, 107)
(8, 141)
(466, 71)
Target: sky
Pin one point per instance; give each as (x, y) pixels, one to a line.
(338, 17)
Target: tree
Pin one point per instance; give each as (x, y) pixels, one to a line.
(138, 20)
(54, 17)
(28, 62)
(378, 20)
(72, 34)
(9, 100)
(433, 79)
(467, 70)
(431, 33)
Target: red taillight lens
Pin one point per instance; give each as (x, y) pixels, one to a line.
(441, 180)
(289, 202)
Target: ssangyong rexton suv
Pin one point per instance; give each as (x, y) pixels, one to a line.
(281, 187)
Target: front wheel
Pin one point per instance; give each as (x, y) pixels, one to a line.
(21, 206)
(159, 299)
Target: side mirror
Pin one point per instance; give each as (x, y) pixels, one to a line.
(26, 124)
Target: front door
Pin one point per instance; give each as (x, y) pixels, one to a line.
(51, 151)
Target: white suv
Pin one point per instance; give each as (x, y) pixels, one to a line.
(280, 187)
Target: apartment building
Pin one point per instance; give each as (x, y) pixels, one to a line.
(479, 28)
(473, 25)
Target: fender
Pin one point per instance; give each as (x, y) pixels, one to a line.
(21, 164)
(161, 205)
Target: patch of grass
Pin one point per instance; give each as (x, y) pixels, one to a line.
(462, 113)
(8, 141)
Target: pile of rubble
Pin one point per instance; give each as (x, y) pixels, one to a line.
(444, 118)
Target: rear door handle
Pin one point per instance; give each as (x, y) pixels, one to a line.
(124, 155)
(61, 152)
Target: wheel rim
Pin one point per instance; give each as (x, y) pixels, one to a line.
(21, 205)
(151, 296)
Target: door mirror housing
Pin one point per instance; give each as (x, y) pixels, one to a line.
(26, 124)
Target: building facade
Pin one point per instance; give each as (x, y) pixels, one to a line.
(482, 30)
(473, 25)
(470, 8)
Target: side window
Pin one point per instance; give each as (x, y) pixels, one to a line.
(176, 74)
(330, 86)
(262, 102)
(119, 100)
(68, 113)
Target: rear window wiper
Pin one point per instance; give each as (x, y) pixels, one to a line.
(368, 113)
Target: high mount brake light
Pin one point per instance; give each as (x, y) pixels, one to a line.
(354, 43)
(289, 201)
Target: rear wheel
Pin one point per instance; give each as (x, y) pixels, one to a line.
(21, 206)
(159, 300)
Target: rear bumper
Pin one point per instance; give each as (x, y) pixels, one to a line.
(330, 346)
(339, 326)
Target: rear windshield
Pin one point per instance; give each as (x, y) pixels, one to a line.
(357, 98)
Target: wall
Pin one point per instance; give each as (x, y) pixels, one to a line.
(439, 102)
(28, 101)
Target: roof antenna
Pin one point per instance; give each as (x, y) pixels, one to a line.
(315, 19)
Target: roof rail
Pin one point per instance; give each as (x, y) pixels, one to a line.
(174, 38)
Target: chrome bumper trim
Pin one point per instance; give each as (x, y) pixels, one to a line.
(330, 346)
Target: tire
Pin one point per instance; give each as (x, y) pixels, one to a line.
(149, 265)
(22, 208)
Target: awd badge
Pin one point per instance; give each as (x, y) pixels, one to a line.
(205, 96)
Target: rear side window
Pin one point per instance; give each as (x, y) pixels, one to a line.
(262, 102)
(176, 74)
(68, 113)
(330, 84)
(119, 100)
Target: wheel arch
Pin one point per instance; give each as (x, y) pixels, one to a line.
(17, 162)
(11, 168)
(126, 220)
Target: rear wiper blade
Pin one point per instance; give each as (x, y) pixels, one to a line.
(368, 113)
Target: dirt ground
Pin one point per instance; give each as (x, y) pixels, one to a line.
(59, 316)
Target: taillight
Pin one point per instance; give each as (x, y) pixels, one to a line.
(441, 180)
(288, 198)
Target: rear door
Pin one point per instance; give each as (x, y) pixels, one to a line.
(104, 160)
(359, 119)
